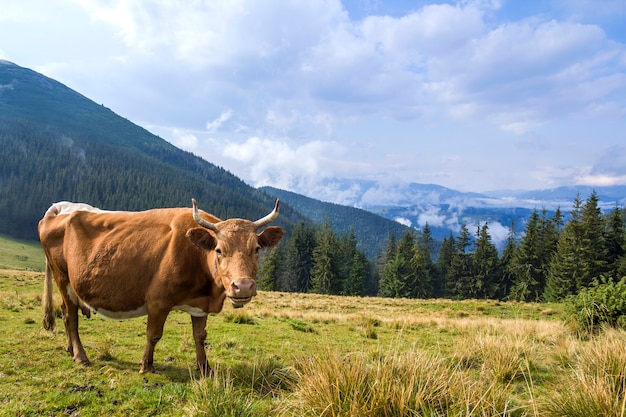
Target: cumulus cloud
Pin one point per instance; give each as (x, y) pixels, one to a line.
(448, 56)
(276, 163)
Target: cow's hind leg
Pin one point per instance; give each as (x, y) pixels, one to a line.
(199, 337)
(154, 332)
(74, 345)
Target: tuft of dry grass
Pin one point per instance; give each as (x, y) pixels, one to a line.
(357, 384)
(596, 382)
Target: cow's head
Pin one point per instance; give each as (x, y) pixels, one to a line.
(235, 246)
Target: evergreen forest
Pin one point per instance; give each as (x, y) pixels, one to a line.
(550, 260)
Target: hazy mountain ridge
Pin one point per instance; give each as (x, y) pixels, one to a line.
(445, 209)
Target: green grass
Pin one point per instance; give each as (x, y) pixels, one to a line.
(21, 254)
(434, 357)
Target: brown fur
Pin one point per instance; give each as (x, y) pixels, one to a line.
(155, 260)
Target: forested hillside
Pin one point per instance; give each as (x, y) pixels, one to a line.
(58, 145)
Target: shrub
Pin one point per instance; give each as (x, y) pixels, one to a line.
(602, 304)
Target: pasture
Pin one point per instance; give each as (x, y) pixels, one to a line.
(303, 354)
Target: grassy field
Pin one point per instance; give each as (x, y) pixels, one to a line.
(21, 254)
(295, 355)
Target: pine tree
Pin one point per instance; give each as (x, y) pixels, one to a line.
(358, 274)
(300, 258)
(426, 249)
(594, 244)
(459, 280)
(485, 266)
(527, 267)
(565, 271)
(615, 242)
(325, 272)
(446, 252)
(420, 279)
(395, 276)
(506, 264)
(268, 272)
(345, 255)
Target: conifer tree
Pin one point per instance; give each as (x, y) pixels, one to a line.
(527, 267)
(355, 285)
(506, 262)
(426, 248)
(565, 273)
(446, 252)
(300, 258)
(594, 244)
(459, 280)
(395, 277)
(269, 270)
(615, 243)
(420, 279)
(485, 266)
(325, 272)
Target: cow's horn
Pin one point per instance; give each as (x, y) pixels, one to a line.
(270, 217)
(200, 220)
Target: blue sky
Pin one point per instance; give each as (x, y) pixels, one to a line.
(474, 95)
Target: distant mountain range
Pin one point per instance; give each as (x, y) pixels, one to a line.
(445, 209)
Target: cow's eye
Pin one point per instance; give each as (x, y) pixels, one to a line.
(218, 251)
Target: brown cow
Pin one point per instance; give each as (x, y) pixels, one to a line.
(128, 264)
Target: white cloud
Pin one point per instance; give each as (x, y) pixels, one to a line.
(498, 233)
(275, 162)
(432, 216)
(404, 221)
(214, 125)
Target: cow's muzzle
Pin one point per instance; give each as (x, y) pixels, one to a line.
(241, 292)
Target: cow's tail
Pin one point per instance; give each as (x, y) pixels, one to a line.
(47, 300)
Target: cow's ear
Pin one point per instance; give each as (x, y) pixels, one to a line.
(270, 236)
(202, 238)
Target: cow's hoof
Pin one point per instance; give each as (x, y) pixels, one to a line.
(82, 361)
(147, 369)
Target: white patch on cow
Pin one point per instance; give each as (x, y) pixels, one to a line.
(194, 311)
(72, 295)
(141, 311)
(67, 207)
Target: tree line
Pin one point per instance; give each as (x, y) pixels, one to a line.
(549, 261)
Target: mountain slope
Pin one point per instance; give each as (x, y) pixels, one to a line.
(370, 229)
(55, 144)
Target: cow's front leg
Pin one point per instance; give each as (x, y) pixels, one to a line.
(199, 337)
(154, 332)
